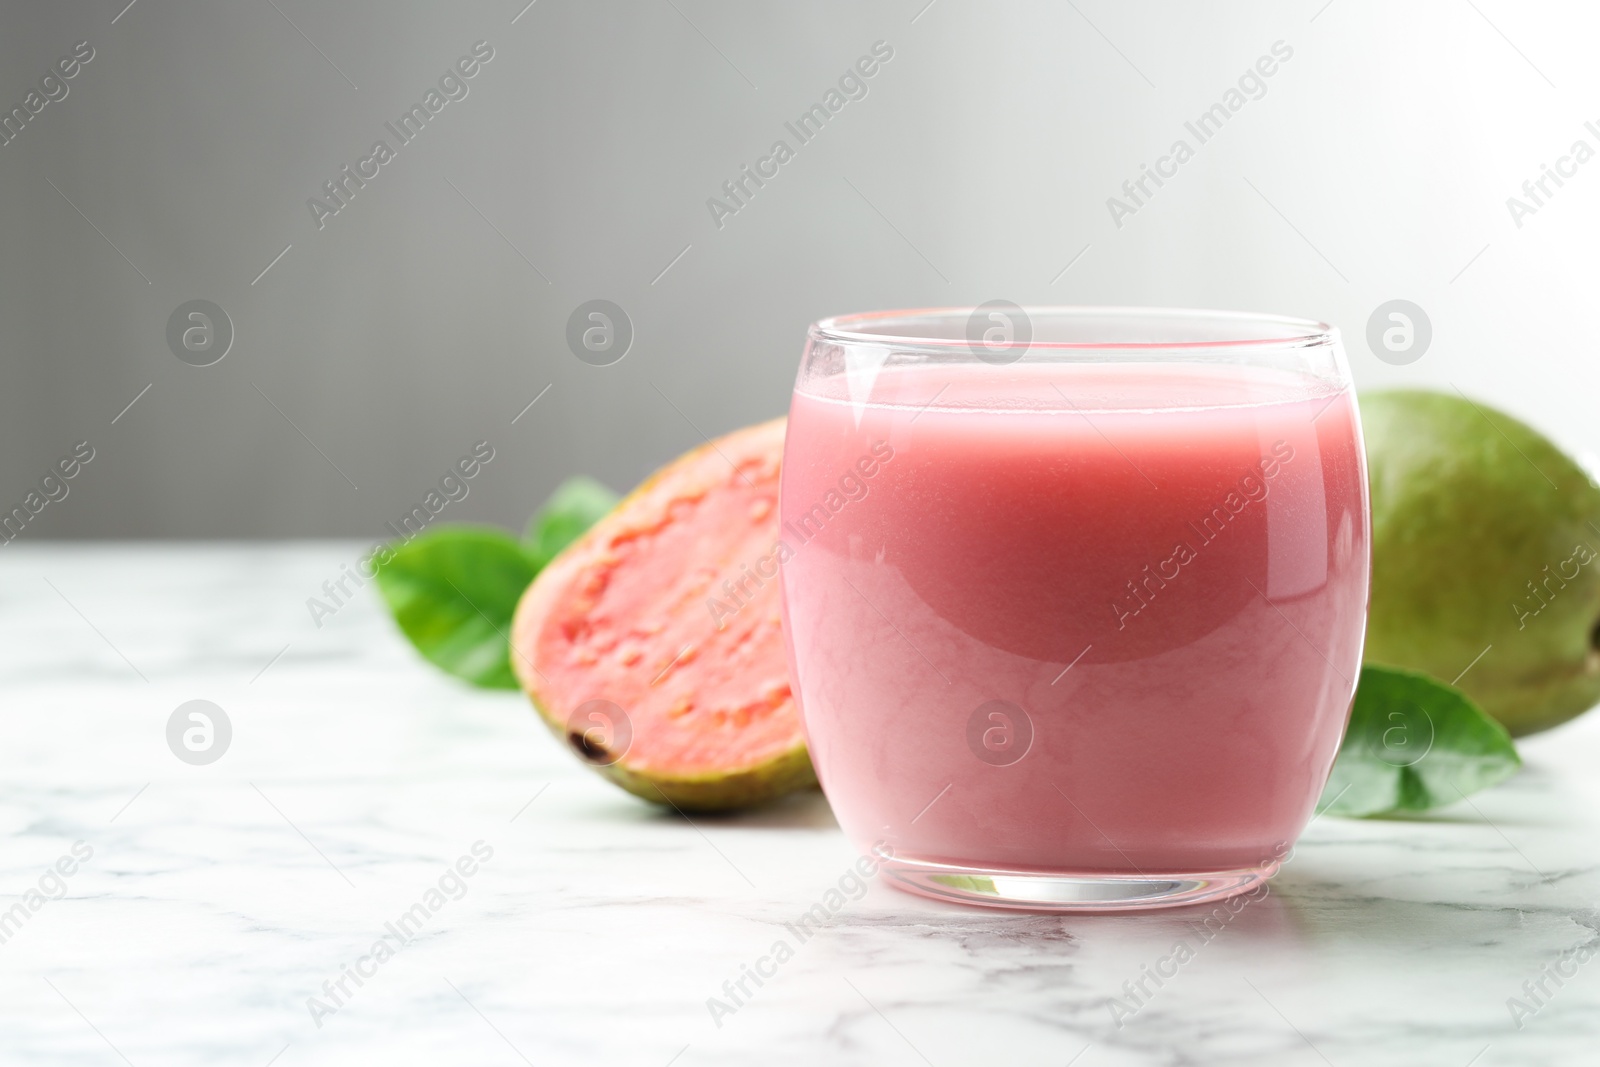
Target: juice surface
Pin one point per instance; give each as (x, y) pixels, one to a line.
(1158, 570)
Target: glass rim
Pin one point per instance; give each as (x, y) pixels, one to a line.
(1249, 330)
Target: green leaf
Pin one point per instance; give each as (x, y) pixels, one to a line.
(577, 504)
(453, 591)
(1414, 743)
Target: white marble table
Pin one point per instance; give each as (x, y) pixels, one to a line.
(218, 899)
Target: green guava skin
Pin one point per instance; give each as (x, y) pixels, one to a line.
(1469, 506)
(715, 791)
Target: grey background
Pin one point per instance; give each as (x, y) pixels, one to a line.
(1376, 167)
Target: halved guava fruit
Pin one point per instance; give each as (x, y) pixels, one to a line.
(636, 654)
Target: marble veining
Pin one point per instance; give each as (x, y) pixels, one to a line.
(217, 900)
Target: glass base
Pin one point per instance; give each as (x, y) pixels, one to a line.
(1066, 891)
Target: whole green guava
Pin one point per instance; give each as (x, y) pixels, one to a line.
(1485, 557)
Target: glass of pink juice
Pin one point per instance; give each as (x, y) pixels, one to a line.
(1074, 597)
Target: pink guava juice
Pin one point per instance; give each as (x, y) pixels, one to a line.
(1075, 618)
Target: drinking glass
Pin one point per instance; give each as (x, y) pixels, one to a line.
(1074, 597)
